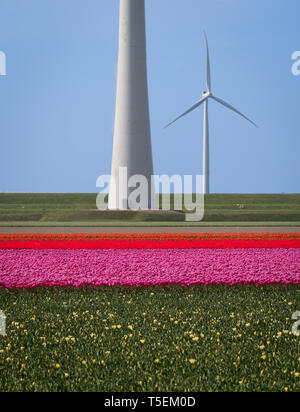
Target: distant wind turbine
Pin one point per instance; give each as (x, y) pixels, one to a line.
(205, 97)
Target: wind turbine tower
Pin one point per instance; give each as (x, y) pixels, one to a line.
(132, 137)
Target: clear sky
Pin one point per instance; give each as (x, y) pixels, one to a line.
(57, 100)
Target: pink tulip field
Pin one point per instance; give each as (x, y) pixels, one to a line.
(30, 264)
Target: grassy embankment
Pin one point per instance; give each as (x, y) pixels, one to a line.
(80, 209)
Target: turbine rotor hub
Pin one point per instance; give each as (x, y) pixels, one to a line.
(206, 94)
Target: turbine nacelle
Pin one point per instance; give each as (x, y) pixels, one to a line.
(206, 95)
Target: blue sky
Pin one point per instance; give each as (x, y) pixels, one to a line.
(57, 100)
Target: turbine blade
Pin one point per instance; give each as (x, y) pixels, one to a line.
(188, 111)
(233, 109)
(208, 71)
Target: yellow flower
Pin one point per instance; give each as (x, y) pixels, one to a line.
(57, 366)
(192, 361)
(143, 341)
(156, 361)
(195, 339)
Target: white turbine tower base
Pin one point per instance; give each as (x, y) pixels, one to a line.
(205, 97)
(206, 158)
(132, 137)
